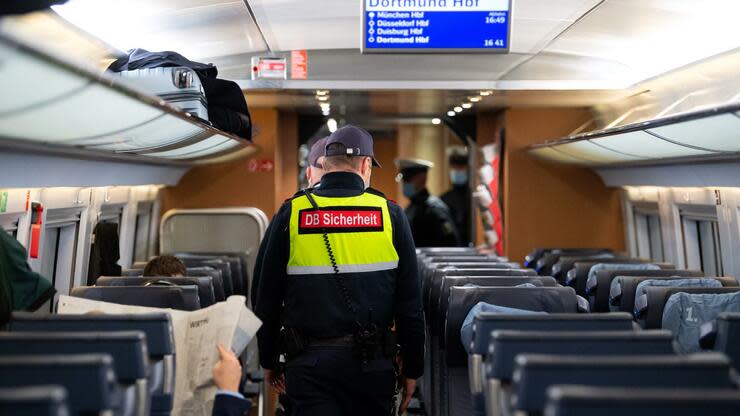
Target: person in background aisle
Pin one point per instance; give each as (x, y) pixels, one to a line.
(430, 219)
(165, 266)
(457, 199)
(341, 271)
(24, 289)
(227, 374)
(315, 169)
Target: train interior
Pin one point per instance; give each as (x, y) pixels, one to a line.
(596, 273)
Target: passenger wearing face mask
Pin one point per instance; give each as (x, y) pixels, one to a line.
(430, 219)
(457, 199)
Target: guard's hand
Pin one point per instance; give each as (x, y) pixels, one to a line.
(227, 373)
(276, 380)
(409, 385)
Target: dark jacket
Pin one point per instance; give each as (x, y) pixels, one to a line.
(225, 405)
(406, 292)
(23, 288)
(457, 200)
(431, 223)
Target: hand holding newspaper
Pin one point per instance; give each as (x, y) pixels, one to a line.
(196, 335)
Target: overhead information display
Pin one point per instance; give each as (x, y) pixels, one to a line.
(435, 26)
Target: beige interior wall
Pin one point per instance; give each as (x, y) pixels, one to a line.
(428, 142)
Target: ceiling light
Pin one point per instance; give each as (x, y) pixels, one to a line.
(474, 99)
(451, 113)
(325, 105)
(485, 93)
(458, 109)
(322, 98)
(332, 125)
(467, 105)
(321, 93)
(436, 121)
(325, 112)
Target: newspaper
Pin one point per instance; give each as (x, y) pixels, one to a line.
(196, 335)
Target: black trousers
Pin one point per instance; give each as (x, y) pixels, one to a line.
(329, 381)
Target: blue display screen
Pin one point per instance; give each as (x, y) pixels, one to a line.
(436, 26)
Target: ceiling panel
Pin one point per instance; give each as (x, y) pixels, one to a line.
(719, 133)
(650, 37)
(555, 155)
(641, 144)
(198, 29)
(586, 150)
(590, 72)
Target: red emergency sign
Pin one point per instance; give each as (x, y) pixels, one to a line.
(340, 219)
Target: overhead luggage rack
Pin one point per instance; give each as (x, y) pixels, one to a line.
(55, 106)
(702, 135)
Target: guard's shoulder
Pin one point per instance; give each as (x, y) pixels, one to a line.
(374, 191)
(295, 195)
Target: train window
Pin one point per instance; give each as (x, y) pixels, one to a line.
(142, 231)
(9, 223)
(649, 241)
(701, 241)
(59, 248)
(111, 214)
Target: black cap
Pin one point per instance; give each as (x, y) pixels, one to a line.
(458, 155)
(354, 141)
(409, 168)
(317, 150)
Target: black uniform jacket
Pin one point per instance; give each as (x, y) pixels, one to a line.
(431, 223)
(271, 279)
(457, 200)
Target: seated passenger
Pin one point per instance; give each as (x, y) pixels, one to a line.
(165, 266)
(227, 373)
(24, 289)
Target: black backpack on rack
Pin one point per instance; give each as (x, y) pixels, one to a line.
(227, 107)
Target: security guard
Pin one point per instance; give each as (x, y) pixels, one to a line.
(341, 272)
(431, 223)
(457, 199)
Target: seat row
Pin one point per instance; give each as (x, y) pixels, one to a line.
(500, 336)
(110, 364)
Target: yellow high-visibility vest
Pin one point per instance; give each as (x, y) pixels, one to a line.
(359, 230)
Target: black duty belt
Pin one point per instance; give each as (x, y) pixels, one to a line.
(343, 341)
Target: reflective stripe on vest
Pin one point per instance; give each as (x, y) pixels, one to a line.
(359, 229)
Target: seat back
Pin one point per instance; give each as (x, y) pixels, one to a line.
(34, 401)
(204, 284)
(565, 263)
(505, 345)
(160, 343)
(462, 299)
(216, 278)
(432, 280)
(548, 259)
(440, 300)
(132, 272)
(238, 266)
(599, 284)
(686, 313)
(89, 379)
(620, 401)
(623, 289)
(649, 307)
(534, 374)
(223, 266)
(728, 336)
(128, 350)
(175, 297)
(577, 276)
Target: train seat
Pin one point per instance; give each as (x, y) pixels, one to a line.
(581, 271)
(506, 345)
(727, 339)
(128, 350)
(452, 376)
(599, 283)
(175, 297)
(622, 289)
(685, 313)
(534, 373)
(219, 264)
(206, 294)
(34, 401)
(159, 341)
(236, 265)
(485, 323)
(89, 379)
(650, 306)
(216, 278)
(620, 401)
